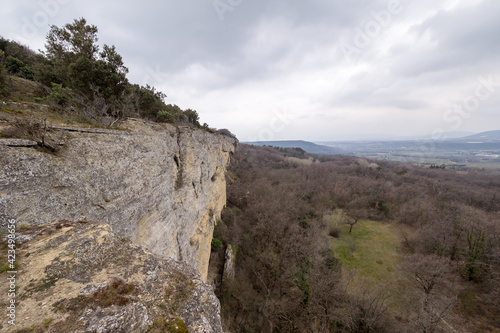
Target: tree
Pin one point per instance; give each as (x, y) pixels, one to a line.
(112, 60)
(367, 309)
(64, 46)
(73, 40)
(150, 102)
(474, 253)
(19, 51)
(351, 221)
(19, 59)
(110, 73)
(4, 90)
(99, 77)
(286, 275)
(192, 117)
(437, 295)
(354, 216)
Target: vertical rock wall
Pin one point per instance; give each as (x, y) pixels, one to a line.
(160, 185)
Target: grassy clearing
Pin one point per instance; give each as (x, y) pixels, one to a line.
(371, 251)
(370, 257)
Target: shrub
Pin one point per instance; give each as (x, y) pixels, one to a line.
(475, 251)
(4, 90)
(192, 117)
(226, 132)
(19, 68)
(216, 244)
(59, 95)
(205, 127)
(163, 116)
(334, 221)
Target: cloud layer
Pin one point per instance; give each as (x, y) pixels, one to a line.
(316, 70)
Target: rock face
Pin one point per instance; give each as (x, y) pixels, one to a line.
(161, 186)
(229, 263)
(81, 277)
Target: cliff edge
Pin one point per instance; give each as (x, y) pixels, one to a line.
(162, 186)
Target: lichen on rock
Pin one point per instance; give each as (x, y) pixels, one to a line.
(81, 277)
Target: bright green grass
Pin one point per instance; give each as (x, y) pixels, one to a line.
(376, 252)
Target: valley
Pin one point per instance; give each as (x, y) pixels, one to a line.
(478, 151)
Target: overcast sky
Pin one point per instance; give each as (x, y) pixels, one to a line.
(316, 70)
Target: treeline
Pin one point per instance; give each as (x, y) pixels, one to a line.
(287, 278)
(76, 75)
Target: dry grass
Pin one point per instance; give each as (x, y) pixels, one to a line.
(116, 293)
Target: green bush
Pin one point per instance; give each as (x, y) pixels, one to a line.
(18, 68)
(192, 117)
(163, 116)
(93, 82)
(4, 90)
(216, 244)
(59, 95)
(205, 127)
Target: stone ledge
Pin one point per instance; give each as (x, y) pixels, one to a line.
(18, 143)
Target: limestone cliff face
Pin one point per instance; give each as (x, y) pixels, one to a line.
(81, 277)
(159, 185)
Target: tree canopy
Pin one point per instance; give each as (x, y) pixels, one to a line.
(87, 77)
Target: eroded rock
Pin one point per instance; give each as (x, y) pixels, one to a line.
(82, 277)
(160, 185)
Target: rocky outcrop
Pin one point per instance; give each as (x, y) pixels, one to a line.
(81, 277)
(159, 185)
(229, 263)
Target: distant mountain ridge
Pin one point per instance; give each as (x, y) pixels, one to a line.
(489, 139)
(305, 145)
(489, 136)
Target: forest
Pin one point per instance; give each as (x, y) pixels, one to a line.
(345, 244)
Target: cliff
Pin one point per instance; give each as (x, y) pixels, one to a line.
(81, 277)
(159, 185)
(116, 227)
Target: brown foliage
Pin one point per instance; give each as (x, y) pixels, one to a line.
(286, 276)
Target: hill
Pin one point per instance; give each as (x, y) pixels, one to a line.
(307, 146)
(483, 137)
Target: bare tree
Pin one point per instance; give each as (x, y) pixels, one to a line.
(35, 128)
(351, 221)
(367, 309)
(435, 295)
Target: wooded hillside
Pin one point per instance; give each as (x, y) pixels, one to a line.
(340, 244)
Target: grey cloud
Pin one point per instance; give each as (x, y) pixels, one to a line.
(463, 37)
(286, 53)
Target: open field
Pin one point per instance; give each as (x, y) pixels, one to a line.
(371, 256)
(371, 250)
